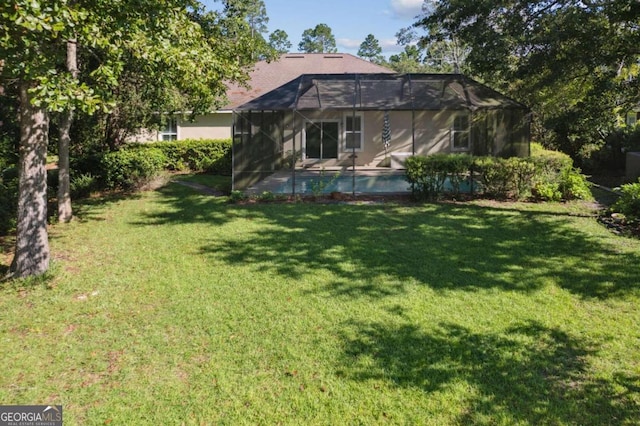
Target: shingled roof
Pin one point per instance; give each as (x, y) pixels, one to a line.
(267, 76)
(381, 92)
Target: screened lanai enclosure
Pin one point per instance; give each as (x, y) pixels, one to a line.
(368, 124)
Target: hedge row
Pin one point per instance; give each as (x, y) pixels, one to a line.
(545, 175)
(136, 164)
(198, 155)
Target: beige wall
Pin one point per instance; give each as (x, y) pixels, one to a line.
(432, 134)
(215, 125)
(210, 126)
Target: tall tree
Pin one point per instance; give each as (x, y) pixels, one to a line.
(255, 15)
(410, 60)
(170, 47)
(318, 40)
(279, 41)
(370, 49)
(65, 212)
(572, 60)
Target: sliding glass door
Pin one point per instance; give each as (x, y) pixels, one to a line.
(322, 140)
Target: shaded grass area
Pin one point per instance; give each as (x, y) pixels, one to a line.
(216, 182)
(177, 307)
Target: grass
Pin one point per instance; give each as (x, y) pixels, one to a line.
(217, 182)
(177, 308)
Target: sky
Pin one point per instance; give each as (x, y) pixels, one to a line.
(350, 20)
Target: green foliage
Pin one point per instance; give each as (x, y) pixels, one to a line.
(237, 196)
(629, 202)
(319, 185)
(547, 191)
(428, 175)
(547, 176)
(8, 199)
(82, 185)
(279, 41)
(573, 62)
(574, 185)
(132, 168)
(198, 155)
(318, 40)
(370, 49)
(496, 178)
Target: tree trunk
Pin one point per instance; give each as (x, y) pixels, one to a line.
(32, 241)
(65, 213)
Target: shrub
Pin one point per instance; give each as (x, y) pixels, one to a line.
(428, 175)
(198, 155)
(82, 185)
(556, 179)
(574, 185)
(629, 202)
(547, 191)
(237, 196)
(496, 179)
(132, 168)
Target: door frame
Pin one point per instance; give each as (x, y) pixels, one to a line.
(321, 121)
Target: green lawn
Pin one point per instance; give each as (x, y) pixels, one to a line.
(172, 307)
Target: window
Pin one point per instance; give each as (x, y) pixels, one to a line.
(460, 134)
(353, 132)
(242, 127)
(632, 118)
(170, 130)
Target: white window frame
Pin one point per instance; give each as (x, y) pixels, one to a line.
(345, 132)
(168, 131)
(455, 131)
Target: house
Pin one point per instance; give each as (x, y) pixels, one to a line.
(369, 120)
(265, 77)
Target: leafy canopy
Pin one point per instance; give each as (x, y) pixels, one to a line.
(574, 61)
(318, 40)
(370, 49)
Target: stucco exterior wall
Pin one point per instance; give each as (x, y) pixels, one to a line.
(210, 126)
(633, 166)
(216, 125)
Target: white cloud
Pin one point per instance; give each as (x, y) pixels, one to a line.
(406, 9)
(348, 43)
(390, 45)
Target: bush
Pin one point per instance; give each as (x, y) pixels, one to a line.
(428, 175)
(629, 202)
(132, 168)
(82, 185)
(495, 178)
(198, 155)
(574, 185)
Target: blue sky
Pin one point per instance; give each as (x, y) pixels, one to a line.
(350, 20)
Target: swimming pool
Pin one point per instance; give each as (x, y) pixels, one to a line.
(392, 183)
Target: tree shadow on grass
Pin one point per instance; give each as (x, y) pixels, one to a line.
(528, 373)
(90, 209)
(376, 251)
(180, 204)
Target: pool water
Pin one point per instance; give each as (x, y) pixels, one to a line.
(370, 184)
(344, 183)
